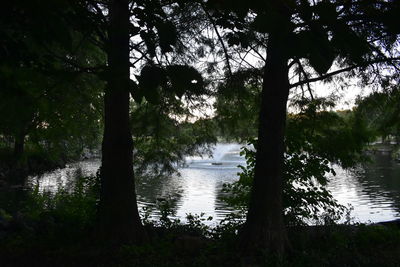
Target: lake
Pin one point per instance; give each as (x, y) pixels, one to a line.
(373, 189)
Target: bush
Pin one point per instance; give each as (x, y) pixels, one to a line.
(72, 207)
(305, 198)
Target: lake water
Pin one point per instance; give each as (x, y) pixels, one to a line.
(373, 190)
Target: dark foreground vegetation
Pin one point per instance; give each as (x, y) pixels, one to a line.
(181, 246)
(59, 230)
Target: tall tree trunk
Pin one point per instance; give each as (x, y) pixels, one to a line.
(264, 228)
(119, 220)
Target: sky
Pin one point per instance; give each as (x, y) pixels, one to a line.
(346, 97)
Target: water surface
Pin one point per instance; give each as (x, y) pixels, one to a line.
(373, 190)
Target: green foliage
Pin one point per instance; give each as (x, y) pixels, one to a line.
(304, 196)
(324, 32)
(380, 112)
(195, 223)
(238, 99)
(71, 208)
(163, 136)
(49, 97)
(167, 211)
(315, 139)
(338, 137)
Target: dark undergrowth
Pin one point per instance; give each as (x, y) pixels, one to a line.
(57, 229)
(323, 246)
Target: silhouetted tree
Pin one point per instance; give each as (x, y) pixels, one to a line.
(297, 35)
(138, 35)
(380, 111)
(119, 219)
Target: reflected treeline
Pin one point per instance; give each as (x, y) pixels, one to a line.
(380, 178)
(372, 188)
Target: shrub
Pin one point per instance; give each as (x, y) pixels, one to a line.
(305, 198)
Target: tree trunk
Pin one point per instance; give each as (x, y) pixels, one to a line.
(264, 228)
(119, 220)
(19, 143)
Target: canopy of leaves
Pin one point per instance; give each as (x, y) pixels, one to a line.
(352, 32)
(237, 105)
(163, 139)
(338, 136)
(44, 95)
(176, 80)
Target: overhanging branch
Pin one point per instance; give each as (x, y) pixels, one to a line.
(336, 72)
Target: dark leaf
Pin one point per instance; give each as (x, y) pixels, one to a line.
(135, 91)
(167, 36)
(149, 39)
(150, 80)
(185, 79)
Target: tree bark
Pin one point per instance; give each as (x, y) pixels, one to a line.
(264, 228)
(119, 220)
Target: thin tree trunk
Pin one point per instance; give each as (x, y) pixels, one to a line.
(119, 220)
(264, 228)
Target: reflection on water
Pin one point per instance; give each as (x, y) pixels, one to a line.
(61, 177)
(196, 189)
(373, 189)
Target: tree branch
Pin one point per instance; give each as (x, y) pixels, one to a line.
(219, 38)
(333, 73)
(306, 78)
